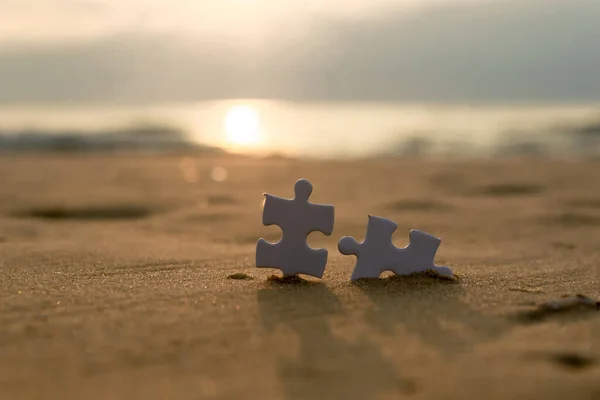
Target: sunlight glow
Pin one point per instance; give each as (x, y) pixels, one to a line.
(242, 126)
(43, 21)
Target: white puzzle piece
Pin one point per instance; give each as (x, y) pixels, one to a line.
(377, 253)
(297, 218)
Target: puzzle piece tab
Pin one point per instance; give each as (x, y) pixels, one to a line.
(377, 253)
(297, 218)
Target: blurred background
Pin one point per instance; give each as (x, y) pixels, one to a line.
(316, 78)
(137, 140)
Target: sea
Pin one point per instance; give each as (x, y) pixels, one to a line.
(305, 129)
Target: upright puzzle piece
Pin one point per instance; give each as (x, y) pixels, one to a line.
(378, 254)
(297, 218)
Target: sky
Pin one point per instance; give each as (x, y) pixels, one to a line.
(305, 50)
(43, 21)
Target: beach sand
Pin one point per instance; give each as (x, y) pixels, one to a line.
(115, 281)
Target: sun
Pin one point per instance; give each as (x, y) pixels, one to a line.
(242, 126)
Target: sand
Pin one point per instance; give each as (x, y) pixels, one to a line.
(114, 281)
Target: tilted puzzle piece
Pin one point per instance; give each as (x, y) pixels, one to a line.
(297, 218)
(378, 254)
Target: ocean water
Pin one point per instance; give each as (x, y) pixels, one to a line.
(306, 129)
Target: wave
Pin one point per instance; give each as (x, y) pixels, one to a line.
(580, 138)
(136, 138)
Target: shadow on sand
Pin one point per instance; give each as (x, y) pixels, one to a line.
(98, 213)
(431, 308)
(328, 366)
(426, 307)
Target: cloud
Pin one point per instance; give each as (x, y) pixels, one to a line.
(36, 22)
(506, 50)
(502, 51)
(39, 22)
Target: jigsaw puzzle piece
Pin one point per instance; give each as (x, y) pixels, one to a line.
(291, 259)
(298, 214)
(418, 256)
(348, 246)
(297, 218)
(308, 262)
(302, 190)
(271, 209)
(321, 218)
(312, 217)
(421, 253)
(377, 253)
(267, 254)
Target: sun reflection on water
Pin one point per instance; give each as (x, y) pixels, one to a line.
(242, 126)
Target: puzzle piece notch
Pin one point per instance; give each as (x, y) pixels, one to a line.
(377, 253)
(297, 218)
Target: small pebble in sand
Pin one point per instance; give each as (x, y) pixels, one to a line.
(240, 276)
(564, 304)
(572, 361)
(569, 302)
